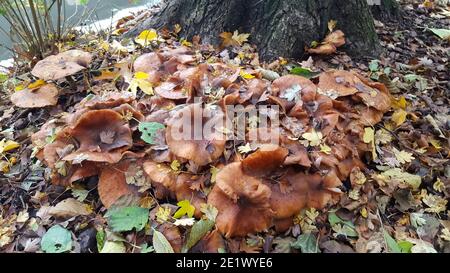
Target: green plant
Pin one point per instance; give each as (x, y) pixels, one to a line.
(37, 26)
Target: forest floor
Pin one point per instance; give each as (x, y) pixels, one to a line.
(400, 204)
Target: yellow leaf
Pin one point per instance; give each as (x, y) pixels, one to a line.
(325, 149)
(7, 145)
(436, 144)
(175, 165)
(399, 117)
(185, 209)
(162, 215)
(240, 38)
(146, 37)
(402, 156)
(141, 75)
(246, 75)
(314, 138)
(19, 87)
(36, 84)
(364, 212)
(140, 80)
(399, 103)
(439, 186)
(332, 25)
(213, 170)
(177, 28)
(369, 137)
(107, 75)
(186, 43)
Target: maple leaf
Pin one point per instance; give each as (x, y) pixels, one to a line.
(402, 156)
(245, 148)
(439, 186)
(209, 211)
(314, 138)
(324, 148)
(240, 38)
(435, 203)
(246, 75)
(163, 214)
(233, 39)
(382, 136)
(175, 165)
(185, 209)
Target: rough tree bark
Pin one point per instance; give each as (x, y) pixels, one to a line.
(386, 10)
(278, 27)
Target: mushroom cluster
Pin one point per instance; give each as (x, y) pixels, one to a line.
(300, 163)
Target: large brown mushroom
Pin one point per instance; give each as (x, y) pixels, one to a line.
(265, 160)
(46, 95)
(64, 64)
(242, 202)
(102, 135)
(193, 134)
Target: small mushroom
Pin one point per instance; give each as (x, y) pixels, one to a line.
(46, 95)
(242, 202)
(64, 64)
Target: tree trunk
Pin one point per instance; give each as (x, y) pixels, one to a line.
(278, 27)
(386, 10)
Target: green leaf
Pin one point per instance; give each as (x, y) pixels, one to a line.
(304, 72)
(185, 209)
(342, 226)
(198, 230)
(3, 76)
(405, 246)
(149, 130)
(306, 243)
(374, 65)
(56, 240)
(100, 237)
(391, 243)
(145, 248)
(113, 247)
(80, 194)
(443, 33)
(126, 218)
(160, 243)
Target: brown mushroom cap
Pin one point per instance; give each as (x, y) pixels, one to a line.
(208, 146)
(64, 64)
(148, 62)
(307, 88)
(265, 160)
(46, 95)
(339, 83)
(103, 135)
(242, 202)
(112, 183)
(161, 174)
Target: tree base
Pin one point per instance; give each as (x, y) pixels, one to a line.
(279, 28)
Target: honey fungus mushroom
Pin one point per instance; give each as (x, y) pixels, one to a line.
(242, 202)
(102, 136)
(62, 65)
(193, 134)
(46, 95)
